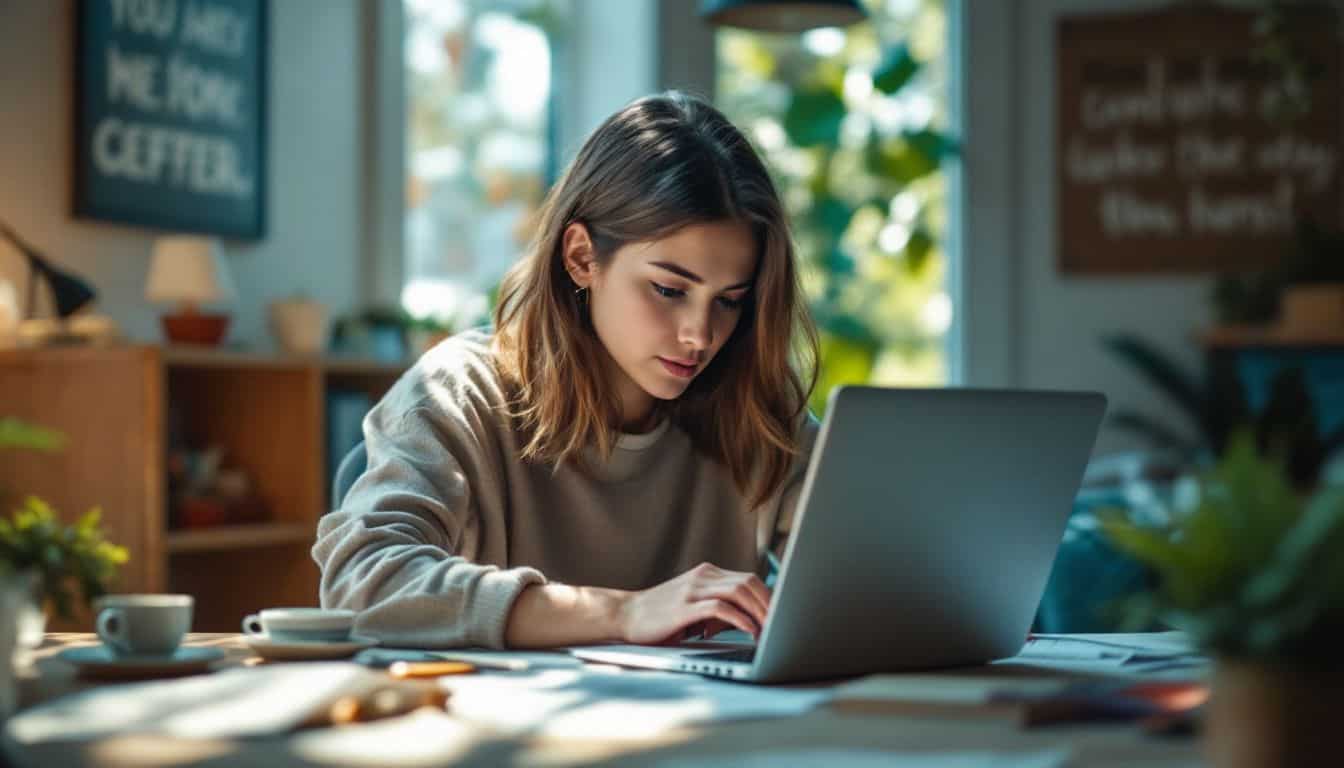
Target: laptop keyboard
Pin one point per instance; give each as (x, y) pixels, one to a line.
(743, 654)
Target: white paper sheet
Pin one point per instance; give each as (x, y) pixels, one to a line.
(1164, 655)
(245, 701)
(1122, 647)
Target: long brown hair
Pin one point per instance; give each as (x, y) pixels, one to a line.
(660, 164)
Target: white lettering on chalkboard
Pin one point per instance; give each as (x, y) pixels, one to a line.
(156, 18)
(201, 94)
(1126, 141)
(157, 155)
(1202, 155)
(131, 79)
(1124, 212)
(1158, 100)
(1120, 158)
(178, 83)
(1289, 153)
(214, 28)
(1270, 213)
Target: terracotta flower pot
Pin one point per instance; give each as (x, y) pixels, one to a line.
(1263, 715)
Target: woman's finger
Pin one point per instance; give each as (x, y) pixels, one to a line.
(727, 613)
(760, 592)
(735, 591)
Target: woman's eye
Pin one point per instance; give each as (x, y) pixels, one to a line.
(670, 293)
(730, 303)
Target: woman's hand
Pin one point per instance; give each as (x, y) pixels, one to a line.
(706, 599)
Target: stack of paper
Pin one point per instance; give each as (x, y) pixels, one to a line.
(1137, 653)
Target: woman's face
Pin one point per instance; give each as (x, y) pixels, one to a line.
(664, 308)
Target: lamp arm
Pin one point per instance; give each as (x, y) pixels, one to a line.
(35, 261)
(13, 238)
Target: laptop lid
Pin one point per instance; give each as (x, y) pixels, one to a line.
(926, 528)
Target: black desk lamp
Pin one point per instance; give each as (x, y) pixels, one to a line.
(782, 15)
(69, 292)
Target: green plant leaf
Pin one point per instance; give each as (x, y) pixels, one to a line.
(897, 69)
(1170, 379)
(917, 250)
(65, 558)
(18, 434)
(814, 117)
(908, 157)
(1161, 436)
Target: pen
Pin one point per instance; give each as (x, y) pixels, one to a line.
(487, 662)
(409, 669)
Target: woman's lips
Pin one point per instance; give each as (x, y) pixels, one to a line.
(681, 370)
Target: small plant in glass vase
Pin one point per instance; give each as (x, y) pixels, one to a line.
(1249, 565)
(60, 565)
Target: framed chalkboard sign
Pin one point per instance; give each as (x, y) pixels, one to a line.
(1170, 153)
(170, 114)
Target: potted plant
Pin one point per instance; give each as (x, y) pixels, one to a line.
(61, 563)
(1249, 566)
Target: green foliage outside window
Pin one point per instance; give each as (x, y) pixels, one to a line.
(850, 123)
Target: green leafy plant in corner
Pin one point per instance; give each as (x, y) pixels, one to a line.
(1250, 568)
(67, 560)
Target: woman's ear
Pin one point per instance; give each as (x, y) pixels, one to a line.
(579, 256)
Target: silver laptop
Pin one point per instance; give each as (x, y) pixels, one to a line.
(928, 523)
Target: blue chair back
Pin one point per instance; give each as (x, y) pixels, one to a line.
(349, 470)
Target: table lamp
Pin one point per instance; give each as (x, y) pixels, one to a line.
(189, 272)
(782, 15)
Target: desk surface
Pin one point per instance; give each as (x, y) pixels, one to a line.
(437, 738)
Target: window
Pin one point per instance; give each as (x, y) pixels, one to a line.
(478, 148)
(852, 123)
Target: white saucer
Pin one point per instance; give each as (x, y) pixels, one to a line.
(98, 661)
(287, 650)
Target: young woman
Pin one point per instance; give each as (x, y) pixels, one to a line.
(616, 460)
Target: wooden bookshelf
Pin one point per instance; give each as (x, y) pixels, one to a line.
(117, 406)
(227, 537)
(1233, 337)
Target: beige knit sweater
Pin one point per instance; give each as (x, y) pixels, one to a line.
(436, 539)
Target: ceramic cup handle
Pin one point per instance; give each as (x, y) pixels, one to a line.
(111, 626)
(252, 625)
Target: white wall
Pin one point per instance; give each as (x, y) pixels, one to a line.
(1026, 324)
(313, 237)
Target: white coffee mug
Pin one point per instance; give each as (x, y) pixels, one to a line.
(301, 625)
(143, 624)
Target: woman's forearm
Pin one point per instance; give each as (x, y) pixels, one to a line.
(552, 615)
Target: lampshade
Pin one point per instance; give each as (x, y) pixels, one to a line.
(68, 292)
(781, 15)
(188, 270)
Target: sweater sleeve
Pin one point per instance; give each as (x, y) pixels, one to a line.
(400, 549)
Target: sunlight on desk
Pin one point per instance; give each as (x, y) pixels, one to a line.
(609, 703)
(421, 738)
(874, 758)
(148, 751)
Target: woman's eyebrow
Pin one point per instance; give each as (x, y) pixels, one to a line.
(694, 278)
